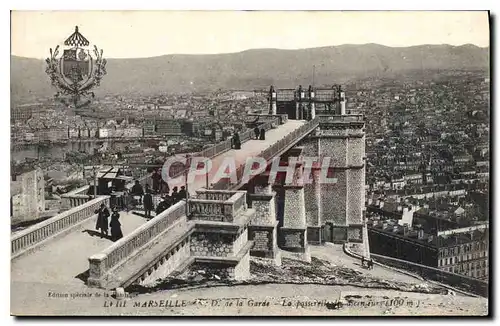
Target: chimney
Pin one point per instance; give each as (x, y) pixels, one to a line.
(342, 101)
(405, 229)
(420, 234)
(272, 93)
(384, 225)
(312, 105)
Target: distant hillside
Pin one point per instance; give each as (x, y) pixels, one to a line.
(254, 68)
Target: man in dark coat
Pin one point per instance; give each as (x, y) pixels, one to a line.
(236, 141)
(182, 193)
(163, 205)
(148, 204)
(137, 190)
(256, 131)
(156, 181)
(262, 134)
(175, 196)
(102, 220)
(164, 189)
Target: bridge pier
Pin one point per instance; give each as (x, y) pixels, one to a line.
(263, 226)
(312, 193)
(293, 233)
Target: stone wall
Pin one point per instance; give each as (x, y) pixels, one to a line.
(169, 263)
(241, 241)
(356, 151)
(355, 234)
(356, 196)
(242, 270)
(224, 271)
(312, 197)
(263, 239)
(292, 239)
(334, 148)
(294, 211)
(265, 211)
(314, 235)
(333, 200)
(212, 244)
(30, 201)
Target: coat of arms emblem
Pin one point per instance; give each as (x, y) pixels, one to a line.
(77, 71)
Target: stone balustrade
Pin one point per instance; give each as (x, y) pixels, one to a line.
(75, 197)
(121, 250)
(221, 210)
(209, 210)
(341, 118)
(222, 195)
(239, 201)
(27, 239)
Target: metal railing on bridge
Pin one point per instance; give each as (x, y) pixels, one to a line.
(27, 239)
(272, 121)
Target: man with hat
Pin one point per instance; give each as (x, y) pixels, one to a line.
(102, 220)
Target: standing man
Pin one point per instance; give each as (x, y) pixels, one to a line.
(256, 131)
(175, 196)
(148, 204)
(102, 220)
(137, 191)
(156, 181)
(182, 193)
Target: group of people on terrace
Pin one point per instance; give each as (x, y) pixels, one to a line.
(144, 198)
(102, 223)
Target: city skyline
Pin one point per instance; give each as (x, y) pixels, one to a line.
(33, 33)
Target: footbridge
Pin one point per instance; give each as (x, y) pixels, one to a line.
(217, 229)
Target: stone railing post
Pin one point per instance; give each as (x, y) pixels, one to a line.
(97, 270)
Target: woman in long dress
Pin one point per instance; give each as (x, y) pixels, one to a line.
(115, 225)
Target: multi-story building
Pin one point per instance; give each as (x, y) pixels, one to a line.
(168, 127)
(464, 251)
(430, 241)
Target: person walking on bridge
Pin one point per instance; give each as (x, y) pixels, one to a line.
(102, 220)
(148, 204)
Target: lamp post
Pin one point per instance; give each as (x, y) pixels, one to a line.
(206, 174)
(188, 163)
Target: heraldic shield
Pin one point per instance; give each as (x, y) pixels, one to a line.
(76, 65)
(77, 71)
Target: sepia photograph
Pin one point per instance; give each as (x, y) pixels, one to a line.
(250, 163)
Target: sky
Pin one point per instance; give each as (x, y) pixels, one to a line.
(137, 34)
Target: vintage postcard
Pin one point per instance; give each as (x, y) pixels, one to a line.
(298, 163)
